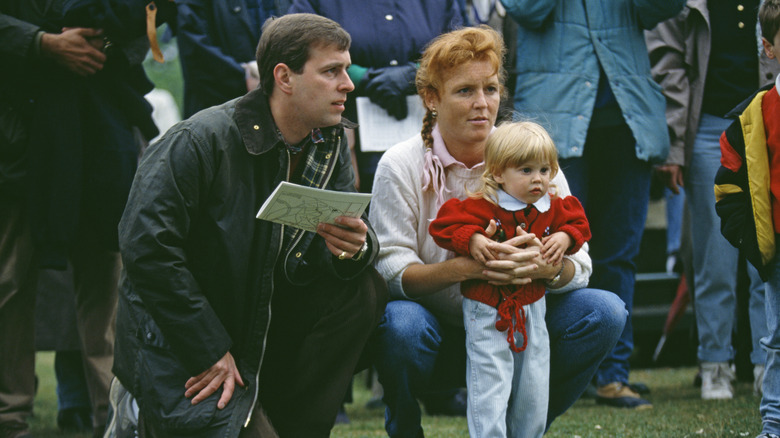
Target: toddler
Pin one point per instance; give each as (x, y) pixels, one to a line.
(520, 161)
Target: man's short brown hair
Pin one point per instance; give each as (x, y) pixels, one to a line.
(288, 39)
(769, 17)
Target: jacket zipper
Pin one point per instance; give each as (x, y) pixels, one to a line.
(270, 310)
(281, 243)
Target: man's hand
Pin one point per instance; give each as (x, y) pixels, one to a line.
(224, 372)
(77, 49)
(345, 239)
(672, 176)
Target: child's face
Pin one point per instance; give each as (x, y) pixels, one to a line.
(772, 48)
(527, 182)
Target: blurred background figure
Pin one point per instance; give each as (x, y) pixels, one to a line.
(583, 73)
(71, 115)
(708, 59)
(56, 330)
(215, 38)
(387, 40)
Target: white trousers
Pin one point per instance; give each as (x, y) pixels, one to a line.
(508, 392)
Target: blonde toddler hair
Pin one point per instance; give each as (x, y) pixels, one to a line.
(510, 145)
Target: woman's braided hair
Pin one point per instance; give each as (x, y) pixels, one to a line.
(451, 50)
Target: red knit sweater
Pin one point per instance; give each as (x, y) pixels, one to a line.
(458, 220)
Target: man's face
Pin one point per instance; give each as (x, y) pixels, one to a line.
(320, 90)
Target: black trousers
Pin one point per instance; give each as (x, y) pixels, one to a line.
(315, 344)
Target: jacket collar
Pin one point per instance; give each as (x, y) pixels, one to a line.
(256, 124)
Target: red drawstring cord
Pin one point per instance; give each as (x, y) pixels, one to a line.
(510, 310)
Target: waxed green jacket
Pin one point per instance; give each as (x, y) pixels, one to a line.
(200, 270)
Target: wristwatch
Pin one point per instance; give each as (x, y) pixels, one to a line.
(554, 281)
(359, 255)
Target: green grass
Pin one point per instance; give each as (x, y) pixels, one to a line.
(678, 412)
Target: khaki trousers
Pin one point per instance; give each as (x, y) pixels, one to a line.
(17, 311)
(95, 276)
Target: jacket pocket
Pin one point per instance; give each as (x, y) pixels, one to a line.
(161, 379)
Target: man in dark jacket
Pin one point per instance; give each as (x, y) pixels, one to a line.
(221, 313)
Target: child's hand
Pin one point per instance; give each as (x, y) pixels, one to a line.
(555, 245)
(478, 248)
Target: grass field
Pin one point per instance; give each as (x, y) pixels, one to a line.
(678, 412)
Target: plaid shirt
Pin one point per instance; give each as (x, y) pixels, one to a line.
(317, 165)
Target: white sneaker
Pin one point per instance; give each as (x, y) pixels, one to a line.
(758, 380)
(716, 378)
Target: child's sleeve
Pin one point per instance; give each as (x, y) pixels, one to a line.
(455, 223)
(734, 202)
(570, 218)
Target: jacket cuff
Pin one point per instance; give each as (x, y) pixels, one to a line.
(35, 49)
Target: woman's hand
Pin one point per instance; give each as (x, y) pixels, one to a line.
(516, 265)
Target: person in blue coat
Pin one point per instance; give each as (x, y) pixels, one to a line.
(214, 39)
(583, 72)
(387, 40)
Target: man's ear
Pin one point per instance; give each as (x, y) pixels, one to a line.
(283, 78)
(767, 48)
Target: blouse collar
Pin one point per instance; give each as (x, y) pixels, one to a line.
(510, 203)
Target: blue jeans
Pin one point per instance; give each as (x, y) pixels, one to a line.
(508, 391)
(714, 259)
(614, 187)
(674, 219)
(770, 401)
(415, 353)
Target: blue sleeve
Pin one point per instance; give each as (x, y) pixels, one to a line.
(530, 13)
(310, 6)
(211, 75)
